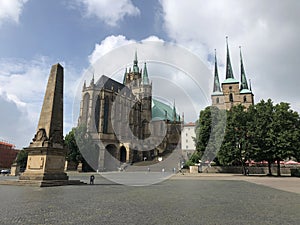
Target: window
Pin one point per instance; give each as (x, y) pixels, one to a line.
(186, 134)
(245, 99)
(230, 87)
(217, 100)
(106, 111)
(230, 97)
(186, 140)
(187, 147)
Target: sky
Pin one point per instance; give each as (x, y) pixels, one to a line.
(80, 34)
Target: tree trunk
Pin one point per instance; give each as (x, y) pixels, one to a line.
(278, 168)
(269, 166)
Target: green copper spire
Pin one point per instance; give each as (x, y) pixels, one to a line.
(174, 112)
(250, 88)
(217, 87)
(145, 75)
(135, 63)
(229, 72)
(244, 84)
(124, 78)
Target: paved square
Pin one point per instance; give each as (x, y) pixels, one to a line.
(179, 200)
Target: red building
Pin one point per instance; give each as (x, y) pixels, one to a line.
(8, 154)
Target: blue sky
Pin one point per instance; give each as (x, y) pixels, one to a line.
(36, 34)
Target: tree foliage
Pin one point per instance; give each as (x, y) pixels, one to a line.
(263, 132)
(82, 148)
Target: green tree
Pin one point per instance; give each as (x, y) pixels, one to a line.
(236, 147)
(22, 158)
(82, 148)
(210, 130)
(284, 133)
(275, 132)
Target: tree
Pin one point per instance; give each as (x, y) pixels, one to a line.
(22, 158)
(82, 148)
(262, 114)
(284, 133)
(275, 132)
(236, 147)
(209, 134)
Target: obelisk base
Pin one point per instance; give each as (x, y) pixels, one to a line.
(45, 163)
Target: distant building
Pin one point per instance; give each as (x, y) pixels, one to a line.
(232, 92)
(8, 154)
(187, 140)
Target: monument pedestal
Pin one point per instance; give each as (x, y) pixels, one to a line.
(45, 163)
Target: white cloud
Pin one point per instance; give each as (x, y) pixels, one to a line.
(107, 45)
(11, 10)
(177, 74)
(111, 12)
(22, 89)
(269, 32)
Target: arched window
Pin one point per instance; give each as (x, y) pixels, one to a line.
(106, 111)
(85, 108)
(230, 97)
(245, 99)
(97, 113)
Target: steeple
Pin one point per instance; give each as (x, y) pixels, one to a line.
(124, 78)
(135, 63)
(250, 88)
(217, 87)
(145, 75)
(92, 81)
(244, 84)
(229, 72)
(174, 112)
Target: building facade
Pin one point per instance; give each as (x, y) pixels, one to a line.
(187, 140)
(231, 92)
(8, 154)
(123, 117)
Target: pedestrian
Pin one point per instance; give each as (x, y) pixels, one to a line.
(92, 178)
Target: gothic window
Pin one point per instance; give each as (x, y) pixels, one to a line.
(230, 97)
(245, 99)
(217, 100)
(106, 111)
(97, 113)
(85, 108)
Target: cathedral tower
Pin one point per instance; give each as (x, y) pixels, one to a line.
(232, 92)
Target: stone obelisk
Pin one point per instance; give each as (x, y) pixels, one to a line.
(46, 152)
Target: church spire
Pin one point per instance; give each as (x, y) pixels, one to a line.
(135, 63)
(244, 84)
(229, 72)
(92, 80)
(174, 112)
(124, 78)
(145, 75)
(250, 88)
(217, 87)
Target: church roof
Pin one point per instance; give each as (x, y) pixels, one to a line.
(110, 84)
(160, 110)
(230, 81)
(245, 91)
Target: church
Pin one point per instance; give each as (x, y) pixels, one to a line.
(130, 125)
(231, 92)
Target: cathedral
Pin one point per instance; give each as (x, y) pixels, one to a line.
(127, 120)
(232, 91)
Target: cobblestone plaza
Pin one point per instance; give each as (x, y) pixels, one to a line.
(181, 199)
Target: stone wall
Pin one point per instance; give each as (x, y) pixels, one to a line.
(252, 170)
